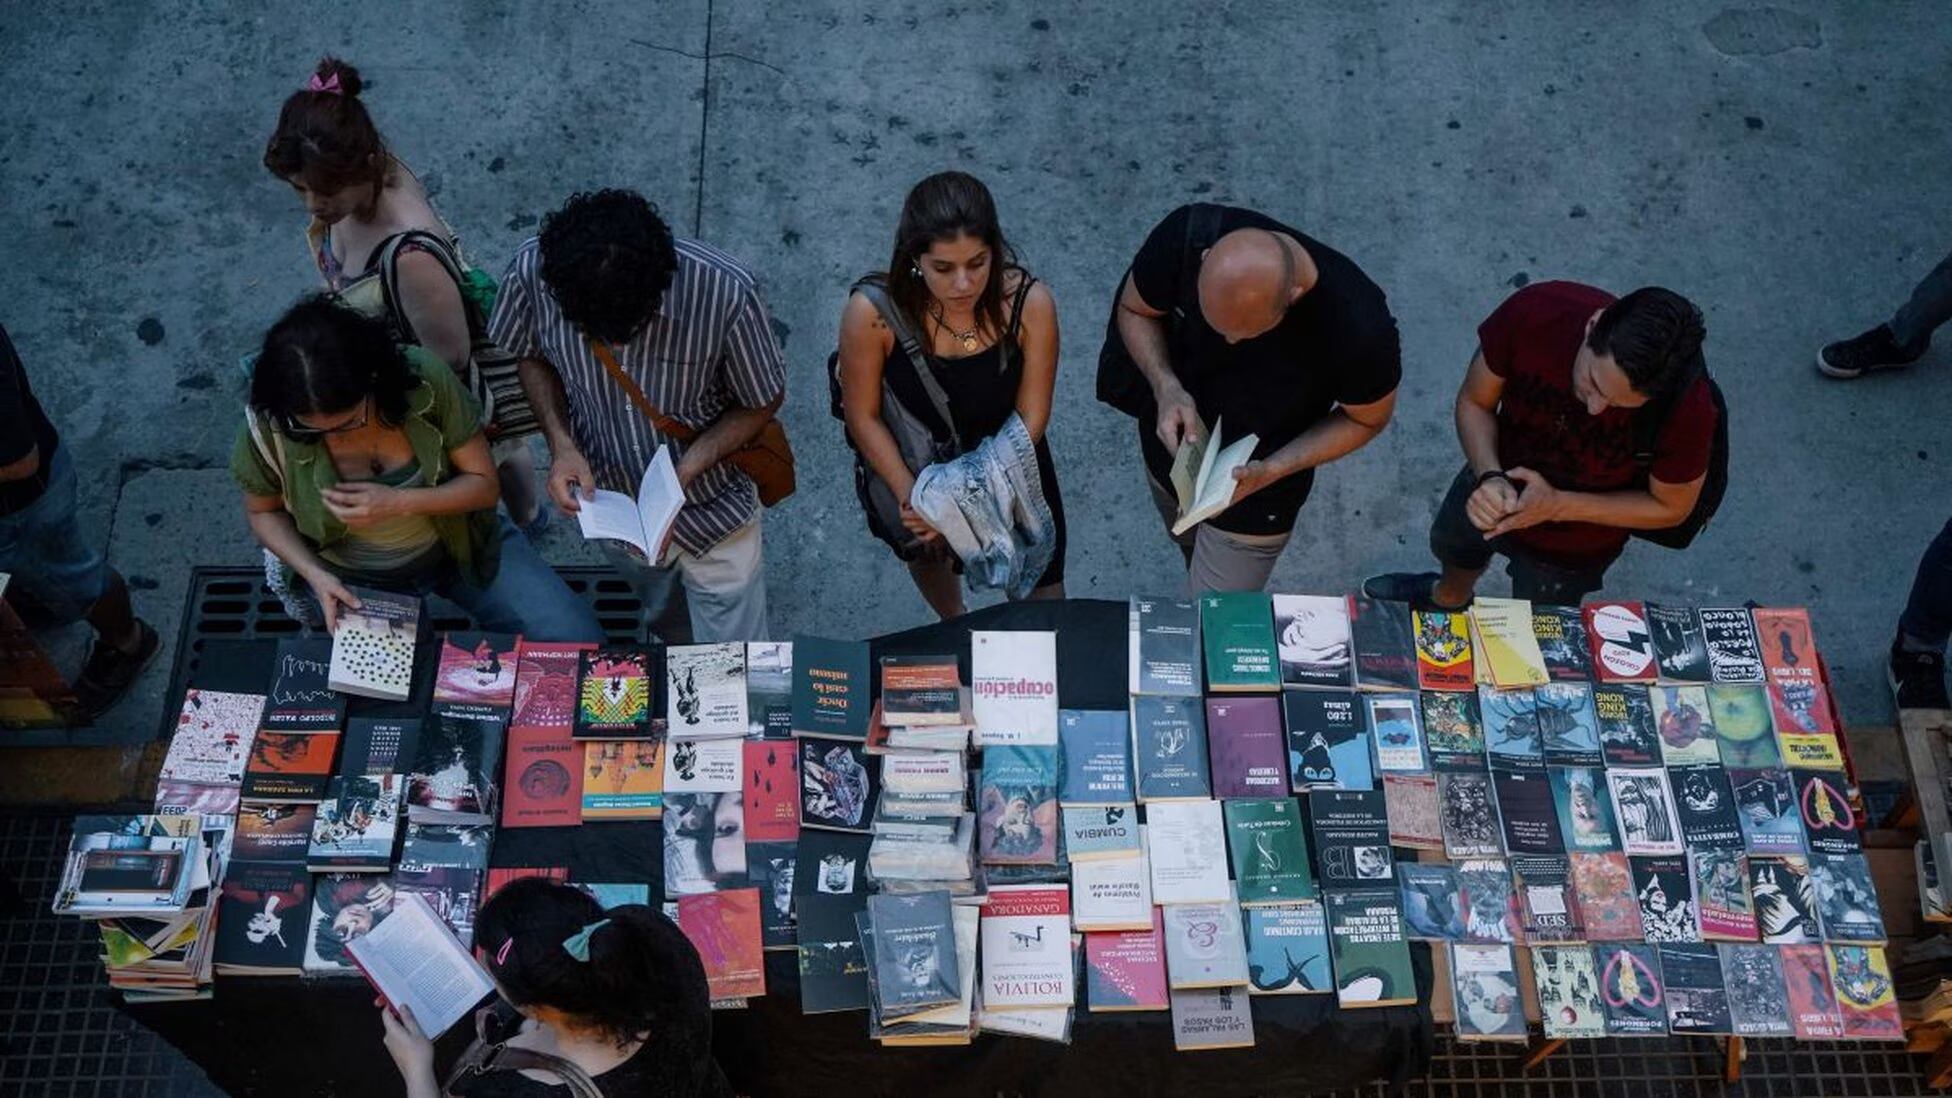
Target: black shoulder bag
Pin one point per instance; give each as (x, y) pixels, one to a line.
(490, 1052)
(1120, 382)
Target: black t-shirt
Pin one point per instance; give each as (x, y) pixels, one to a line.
(24, 429)
(1336, 345)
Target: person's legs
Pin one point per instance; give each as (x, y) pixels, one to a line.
(936, 579)
(1918, 652)
(1929, 307)
(1903, 339)
(1543, 581)
(726, 588)
(1167, 505)
(1225, 561)
(526, 596)
(1461, 551)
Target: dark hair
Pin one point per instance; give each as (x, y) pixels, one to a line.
(325, 139)
(322, 357)
(1654, 335)
(641, 970)
(608, 258)
(942, 207)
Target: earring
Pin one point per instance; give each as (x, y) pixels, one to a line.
(915, 270)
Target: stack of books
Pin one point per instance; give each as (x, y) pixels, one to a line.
(920, 952)
(924, 831)
(147, 883)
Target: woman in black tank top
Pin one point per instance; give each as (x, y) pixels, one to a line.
(988, 333)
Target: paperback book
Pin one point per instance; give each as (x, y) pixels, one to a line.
(1800, 708)
(1369, 957)
(696, 858)
(379, 745)
(1170, 749)
(1813, 1008)
(212, 740)
(1511, 729)
(1246, 744)
(545, 685)
(1723, 905)
(1583, 809)
(1828, 822)
(372, 647)
(1269, 851)
(1568, 986)
(1287, 950)
(1561, 633)
(1546, 903)
(1685, 725)
(772, 784)
(1395, 720)
(839, 784)
(1704, 802)
(1163, 647)
(1866, 999)
(357, 825)
(1349, 832)
(1186, 848)
(1632, 994)
(1385, 644)
(1415, 811)
(704, 766)
(476, 669)
(771, 868)
(833, 966)
(1328, 742)
(616, 693)
(1765, 808)
(1210, 1018)
(301, 697)
(1092, 833)
(705, 691)
(1125, 970)
(1697, 1001)
(1097, 758)
(269, 831)
(1111, 894)
(1788, 645)
(1017, 806)
(1846, 900)
(290, 766)
(1644, 809)
(1204, 946)
(1679, 650)
(1525, 809)
(1607, 903)
(831, 694)
(1469, 816)
(1237, 633)
(1758, 997)
(914, 959)
(1433, 902)
(620, 780)
(1490, 905)
(1443, 643)
(1733, 654)
(830, 863)
(1484, 993)
(1506, 645)
(1665, 890)
(263, 912)
(1568, 724)
(1026, 947)
(1452, 730)
(1620, 641)
(724, 928)
(1745, 735)
(1013, 680)
(1784, 891)
(1626, 717)
(920, 690)
(1312, 640)
(452, 776)
(769, 689)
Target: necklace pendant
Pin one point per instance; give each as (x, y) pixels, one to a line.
(968, 341)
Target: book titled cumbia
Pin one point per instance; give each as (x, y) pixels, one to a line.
(644, 521)
(1013, 686)
(1026, 947)
(1163, 647)
(416, 962)
(372, 649)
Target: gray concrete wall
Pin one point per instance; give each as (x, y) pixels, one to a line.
(1785, 166)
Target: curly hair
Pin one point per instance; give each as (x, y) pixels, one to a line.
(322, 358)
(1654, 335)
(325, 139)
(607, 257)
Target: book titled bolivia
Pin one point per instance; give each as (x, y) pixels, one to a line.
(1125, 970)
(830, 688)
(372, 648)
(1026, 947)
(920, 691)
(1013, 686)
(1237, 632)
(301, 698)
(1204, 946)
(1247, 747)
(1097, 757)
(1163, 647)
(1366, 946)
(1017, 806)
(1269, 852)
(1169, 749)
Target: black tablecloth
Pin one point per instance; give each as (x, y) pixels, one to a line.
(289, 1037)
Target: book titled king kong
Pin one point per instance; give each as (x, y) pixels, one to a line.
(1561, 633)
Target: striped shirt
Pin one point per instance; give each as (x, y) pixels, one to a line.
(710, 347)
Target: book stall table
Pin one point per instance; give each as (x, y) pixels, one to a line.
(286, 1035)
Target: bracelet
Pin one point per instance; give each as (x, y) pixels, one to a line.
(1498, 473)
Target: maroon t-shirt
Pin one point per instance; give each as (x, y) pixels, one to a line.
(1530, 342)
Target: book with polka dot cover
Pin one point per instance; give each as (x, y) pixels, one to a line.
(372, 648)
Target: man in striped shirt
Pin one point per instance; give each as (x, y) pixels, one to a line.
(685, 323)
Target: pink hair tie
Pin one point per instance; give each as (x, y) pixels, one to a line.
(328, 85)
(501, 955)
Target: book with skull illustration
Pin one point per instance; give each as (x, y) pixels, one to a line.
(705, 691)
(1469, 816)
(1758, 997)
(839, 784)
(1269, 851)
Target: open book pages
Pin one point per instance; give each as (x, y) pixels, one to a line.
(416, 961)
(644, 522)
(1203, 474)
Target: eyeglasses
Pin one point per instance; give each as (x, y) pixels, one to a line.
(292, 429)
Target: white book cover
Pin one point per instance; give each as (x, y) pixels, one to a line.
(1026, 934)
(706, 691)
(1644, 806)
(1186, 843)
(1111, 894)
(1205, 946)
(1311, 636)
(704, 766)
(1042, 1023)
(908, 772)
(1013, 686)
(1214, 1017)
(416, 962)
(213, 735)
(1203, 475)
(644, 522)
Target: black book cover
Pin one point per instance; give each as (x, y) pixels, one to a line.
(1546, 899)
(1665, 890)
(831, 687)
(772, 869)
(1349, 832)
(263, 914)
(1846, 899)
(1453, 730)
(620, 693)
(1696, 1000)
(1626, 716)
(429, 846)
(1828, 821)
(914, 954)
(1385, 644)
(831, 863)
(300, 699)
(1733, 653)
(454, 768)
(1679, 649)
(1784, 891)
(1525, 806)
(1328, 742)
(273, 832)
(839, 785)
(1469, 815)
(833, 965)
(1705, 802)
(1758, 997)
(1631, 990)
(379, 745)
(1561, 633)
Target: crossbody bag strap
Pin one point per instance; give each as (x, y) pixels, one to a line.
(270, 451)
(526, 1059)
(662, 422)
(386, 258)
(1010, 346)
(911, 345)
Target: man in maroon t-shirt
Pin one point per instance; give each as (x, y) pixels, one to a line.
(1546, 415)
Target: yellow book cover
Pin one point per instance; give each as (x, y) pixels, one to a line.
(1506, 643)
(623, 780)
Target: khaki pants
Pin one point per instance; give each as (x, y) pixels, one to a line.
(725, 589)
(1215, 559)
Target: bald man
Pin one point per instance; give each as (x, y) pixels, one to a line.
(1228, 315)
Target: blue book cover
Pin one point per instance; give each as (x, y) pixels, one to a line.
(1092, 831)
(1397, 723)
(1433, 902)
(1569, 726)
(1169, 737)
(1097, 759)
(1511, 728)
(1328, 741)
(1017, 806)
(1765, 807)
(1287, 950)
(1585, 813)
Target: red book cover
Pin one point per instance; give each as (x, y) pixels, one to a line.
(542, 785)
(772, 791)
(724, 928)
(1126, 969)
(1622, 644)
(1247, 743)
(1812, 1005)
(290, 766)
(545, 685)
(1861, 979)
(499, 877)
(1444, 651)
(477, 669)
(1801, 708)
(1604, 883)
(1788, 646)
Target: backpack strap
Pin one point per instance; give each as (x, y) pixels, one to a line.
(1202, 232)
(1655, 415)
(876, 291)
(270, 450)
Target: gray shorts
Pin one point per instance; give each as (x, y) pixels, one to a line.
(1215, 559)
(1459, 544)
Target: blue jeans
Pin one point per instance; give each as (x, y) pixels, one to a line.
(1927, 621)
(58, 576)
(526, 596)
(1929, 307)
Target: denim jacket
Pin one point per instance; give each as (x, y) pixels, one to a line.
(989, 506)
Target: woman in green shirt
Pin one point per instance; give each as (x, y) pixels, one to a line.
(363, 463)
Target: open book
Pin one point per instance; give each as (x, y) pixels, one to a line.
(1203, 475)
(415, 961)
(645, 521)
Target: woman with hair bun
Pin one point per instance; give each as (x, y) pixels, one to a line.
(381, 247)
(616, 996)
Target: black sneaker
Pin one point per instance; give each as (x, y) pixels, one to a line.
(110, 672)
(1918, 679)
(1415, 588)
(1874, 350)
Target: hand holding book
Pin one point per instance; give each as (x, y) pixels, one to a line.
(644, 522)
